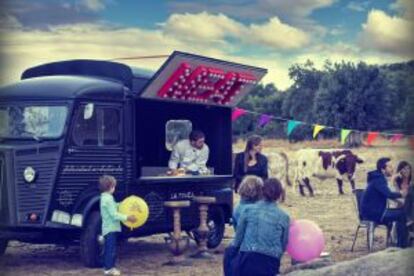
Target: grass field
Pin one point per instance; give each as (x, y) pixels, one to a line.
(335, 215)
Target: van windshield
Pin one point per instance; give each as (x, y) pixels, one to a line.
(29, 121)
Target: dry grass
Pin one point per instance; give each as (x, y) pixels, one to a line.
(333, 213)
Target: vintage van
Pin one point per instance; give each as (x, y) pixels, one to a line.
(67, 123)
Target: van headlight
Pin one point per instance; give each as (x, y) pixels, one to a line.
(29, 174)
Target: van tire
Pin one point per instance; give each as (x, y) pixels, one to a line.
(215, 216)
(90, 248)
(3, 246)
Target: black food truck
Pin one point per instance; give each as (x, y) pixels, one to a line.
(67, 123)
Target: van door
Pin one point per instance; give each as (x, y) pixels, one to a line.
(94, 147)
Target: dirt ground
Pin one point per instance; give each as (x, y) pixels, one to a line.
(145, 256)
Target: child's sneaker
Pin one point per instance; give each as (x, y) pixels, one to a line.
(112, 272)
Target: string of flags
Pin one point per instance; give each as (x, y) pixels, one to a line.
(264, 119)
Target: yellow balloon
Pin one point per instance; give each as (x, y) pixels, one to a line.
(136, 206)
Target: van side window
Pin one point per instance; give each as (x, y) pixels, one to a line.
(100, 129)
(85, 130)
(176, 130)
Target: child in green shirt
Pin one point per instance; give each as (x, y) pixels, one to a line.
(111, 225)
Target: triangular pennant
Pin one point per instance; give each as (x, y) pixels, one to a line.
(317, 129)
(291, 126)
(237, 112)
(396, 137)
(371, 137)
(264, 120)
(344, 134)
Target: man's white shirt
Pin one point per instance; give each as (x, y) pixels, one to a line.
(184, 155)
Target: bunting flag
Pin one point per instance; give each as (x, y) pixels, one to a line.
(344, 134)
(291, 126)
(371, 137)
(317, 129)
(264, 120)
(237, 112)
(396, 137)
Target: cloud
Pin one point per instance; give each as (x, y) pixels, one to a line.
(222, 38)
(340, 51)
(23, 48)
(337, 30)
(294, 13)
(275, 34)
(202, 26)
(9, 22)
(209, 27)
(42, 15)
(93, 5)
(360, 6)
(253, 9)
(389, 34)
(405, 8)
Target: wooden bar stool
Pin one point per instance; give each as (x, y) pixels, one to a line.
(177, 243)
(202, 231)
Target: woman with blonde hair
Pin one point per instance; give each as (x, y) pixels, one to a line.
(250, 191)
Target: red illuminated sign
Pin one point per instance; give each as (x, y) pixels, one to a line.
(204, 84)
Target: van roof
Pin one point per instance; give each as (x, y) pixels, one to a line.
(63, 87)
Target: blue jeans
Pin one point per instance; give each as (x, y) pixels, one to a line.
(397, 216)
(252, 263)
(109, 254)
(230, 253)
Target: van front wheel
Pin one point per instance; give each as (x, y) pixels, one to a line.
(91, 241)
(3, 246)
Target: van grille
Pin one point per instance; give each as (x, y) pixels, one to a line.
(34, 198)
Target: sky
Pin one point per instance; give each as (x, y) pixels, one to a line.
(273, 34)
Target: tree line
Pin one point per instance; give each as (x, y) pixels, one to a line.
(348, 95)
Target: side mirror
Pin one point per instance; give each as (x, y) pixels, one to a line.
(88, 111)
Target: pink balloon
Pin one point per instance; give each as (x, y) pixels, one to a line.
(306, 241)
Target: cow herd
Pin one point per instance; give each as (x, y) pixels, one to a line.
(311, 164)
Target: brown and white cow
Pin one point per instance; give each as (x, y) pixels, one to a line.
(323, 164)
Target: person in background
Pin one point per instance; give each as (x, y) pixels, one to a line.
(111, 219)
(250, 162)
(404, 182)
(251, 190)
(401, 183)
(190, 155)
(262, 234)
(374, 201)
(403, 178)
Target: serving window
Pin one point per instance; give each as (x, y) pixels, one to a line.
(161, 124)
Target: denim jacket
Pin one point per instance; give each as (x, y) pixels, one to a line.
(238, 210)
(263, 228)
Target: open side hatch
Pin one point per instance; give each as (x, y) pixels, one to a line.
(193, 78)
